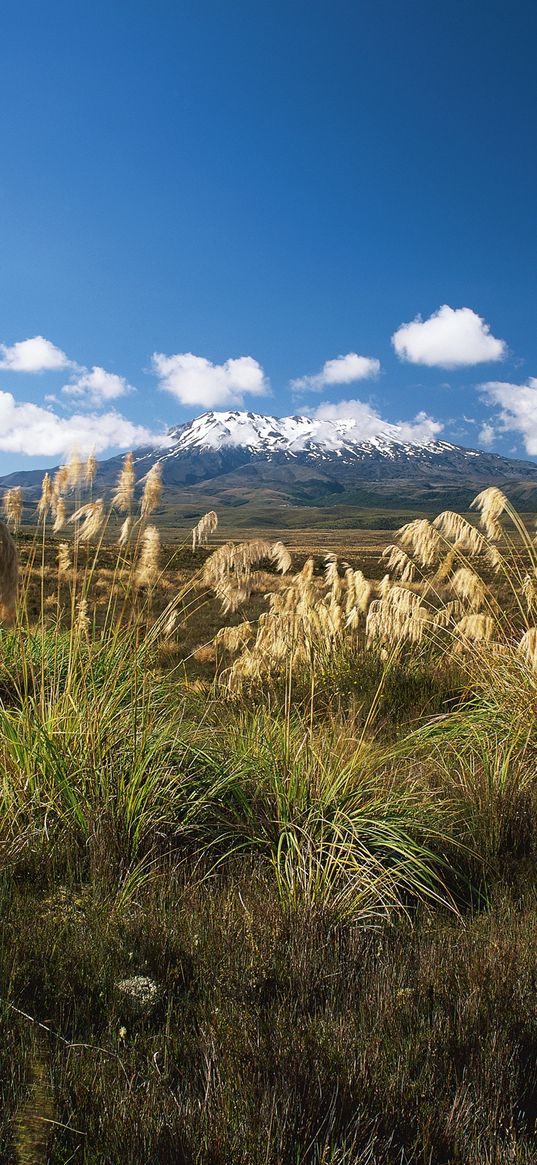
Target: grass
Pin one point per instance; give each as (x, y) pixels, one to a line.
(287, 921)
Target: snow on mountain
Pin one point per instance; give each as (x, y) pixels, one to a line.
(290, 435)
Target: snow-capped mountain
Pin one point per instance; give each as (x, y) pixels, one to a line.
(217, 443)
(237, 458)
(294, 436)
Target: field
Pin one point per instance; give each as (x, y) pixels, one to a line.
(267, 842)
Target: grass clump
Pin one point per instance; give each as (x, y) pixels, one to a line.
(266, 889)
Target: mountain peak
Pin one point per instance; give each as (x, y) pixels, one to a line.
(227, 457)
(292, 435)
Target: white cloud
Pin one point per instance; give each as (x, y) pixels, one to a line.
(422, 428)
(368, 422)
(97, 387)
(450, 338)
(196, 381)
(518, 408)
(342, 370)
(487, 435)
(36, 431)
(35, 355)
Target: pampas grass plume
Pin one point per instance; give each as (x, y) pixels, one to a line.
(91, 516)
(281, 557)
(12, 506)
(59, 514)
(148, 564)
(45, 501)
(74, 469)
(491, 504)
(205, 527)
(90, 469)
(124, 494)
(528, 647)
(64, 559)
(152, 490)
(126, 530)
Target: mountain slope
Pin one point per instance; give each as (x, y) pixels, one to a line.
(239, 458)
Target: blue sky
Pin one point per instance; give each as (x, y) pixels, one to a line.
(266, 187)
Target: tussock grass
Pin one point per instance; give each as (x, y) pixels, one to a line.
(303, 823)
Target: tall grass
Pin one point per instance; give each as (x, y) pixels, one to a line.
(321, 856)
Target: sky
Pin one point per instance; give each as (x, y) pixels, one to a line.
(281, 205)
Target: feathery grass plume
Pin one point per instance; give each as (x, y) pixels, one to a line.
(331, 570)
(228, 570)
(281, 557)
(74, 469)
(90, 518)
(457, 530)
(529, 590)
(90, 469)
(12, 507)
(205, 527)
(398, 561)
(45, 501)
(9, 571)
(246, 668)
(170, 624)
(398, 617)
(64, 559)
(126, 531)
(304, 578)
(336, 590)
(233, 596)
(495, 558)
(491, 503)
(61, 480)
(352, 620)
(335, 621)
(528, 647)
(445, 566)
(469, 587)
(148, 564)
(234, 639)
(59, 514)
(450, 613)
(423, 539)
(475, 629)
(152, 490)
(362, 591)
(82, 623)
(384, 586)
(350, 598)
(124, 493)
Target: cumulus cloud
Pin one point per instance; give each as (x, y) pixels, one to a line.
(36, 431)
(367, 422)
(341, 370)
(450, 338)
(97, 386)
(517, 404)
(196, 381)
(35, 355)
(487, 435)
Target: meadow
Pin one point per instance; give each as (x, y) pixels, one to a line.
(267, 841)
